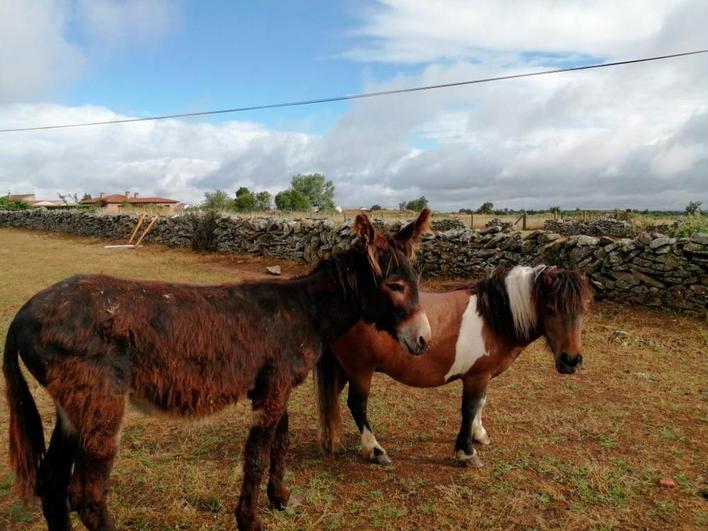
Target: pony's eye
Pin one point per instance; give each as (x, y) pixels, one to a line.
(395, 286)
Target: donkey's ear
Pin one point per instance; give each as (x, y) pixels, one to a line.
(364, 229)
(367, 233)
(411, 233)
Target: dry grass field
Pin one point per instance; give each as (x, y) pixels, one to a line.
(585, 451)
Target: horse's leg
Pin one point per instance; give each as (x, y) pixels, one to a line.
(478, 432)
(278, 493)
(54, 475)
(269, 405)
(98, 445)
(473, 391)
(358, 396)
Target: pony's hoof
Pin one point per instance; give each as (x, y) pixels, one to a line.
(483, 438)
(380, 457)
(469, 459)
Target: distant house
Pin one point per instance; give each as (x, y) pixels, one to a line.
(116, 202)
(32, 201)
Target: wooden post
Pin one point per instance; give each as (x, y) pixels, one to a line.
(140, 223)
(150, 226)
(471, 220)
(523, 223)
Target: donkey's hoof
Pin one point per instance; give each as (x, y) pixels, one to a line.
(278, 497)
(380, 457)
(472, 459)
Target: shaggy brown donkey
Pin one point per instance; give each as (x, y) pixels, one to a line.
(95, 341)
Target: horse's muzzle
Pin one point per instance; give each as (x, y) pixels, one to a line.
(414, 334)
(568, 364)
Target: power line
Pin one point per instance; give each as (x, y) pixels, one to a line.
(358, 96)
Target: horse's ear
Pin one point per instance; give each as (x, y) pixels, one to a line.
(411, 233)
(367, 233)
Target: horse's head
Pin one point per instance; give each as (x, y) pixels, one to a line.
(562, 299)
(389, 289)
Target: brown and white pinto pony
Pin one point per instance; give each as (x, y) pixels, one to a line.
(93, 342)
(477, 333)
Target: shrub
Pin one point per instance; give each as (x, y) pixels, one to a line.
(10, 204)
(204, 231)
(692, 224)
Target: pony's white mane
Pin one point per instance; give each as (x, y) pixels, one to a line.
(519, 286)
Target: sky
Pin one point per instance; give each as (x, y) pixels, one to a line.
(622, 137)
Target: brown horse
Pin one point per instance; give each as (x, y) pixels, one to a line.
(478, 332)
(95, 341)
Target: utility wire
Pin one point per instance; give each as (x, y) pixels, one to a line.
(359, 96)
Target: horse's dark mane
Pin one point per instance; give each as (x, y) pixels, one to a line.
(563, 290)
(567, 291)
(493, 303)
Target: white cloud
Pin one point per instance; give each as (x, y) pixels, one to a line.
(423, 31)
(118, 22)
(634, 136)
(37, 54)
(34, 52)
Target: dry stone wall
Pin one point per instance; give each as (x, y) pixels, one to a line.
(615, 228)
(651, 270)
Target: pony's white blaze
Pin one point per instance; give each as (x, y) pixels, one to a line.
(470, 343)
(519, 286)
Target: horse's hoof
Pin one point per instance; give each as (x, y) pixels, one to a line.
(483, 438)
(469, 459)
(380, 457)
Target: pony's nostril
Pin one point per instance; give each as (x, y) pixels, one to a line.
(422, 342)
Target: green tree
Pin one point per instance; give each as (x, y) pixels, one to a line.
(319, 192)
(416, 204)
(245, 200)
(86, 197)
(11, 204)
(693, 208)
(292, 200)
(486, 208)
(375, 207)
(263, 200)
(216, 200)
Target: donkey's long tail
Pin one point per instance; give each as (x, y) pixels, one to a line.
(329, 380)
(26, 434)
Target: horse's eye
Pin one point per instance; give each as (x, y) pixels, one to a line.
(395, 286)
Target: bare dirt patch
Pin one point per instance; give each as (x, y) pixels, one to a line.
(585, 451)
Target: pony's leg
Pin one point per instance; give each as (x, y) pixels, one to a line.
(478, 432)
(357, 400)
(98, 446)
(267, 412)
(473, 392)
(278, 493)
(55, 473)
